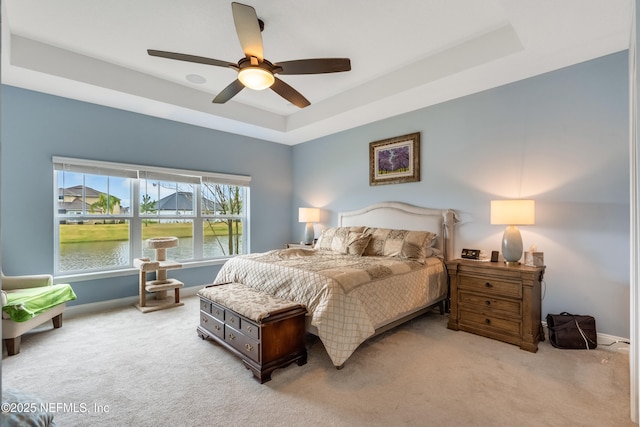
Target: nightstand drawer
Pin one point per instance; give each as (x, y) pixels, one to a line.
(491, 286)
(481, 302)
(486, 322)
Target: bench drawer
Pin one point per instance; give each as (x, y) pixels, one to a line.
(242, 343)
(217, 311)
(249, 328)
(232, 319)
(212, 324)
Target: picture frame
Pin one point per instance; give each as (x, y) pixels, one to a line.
(395, 160)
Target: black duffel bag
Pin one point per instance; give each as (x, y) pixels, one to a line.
(572, 331)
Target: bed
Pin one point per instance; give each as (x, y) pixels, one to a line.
(379, 267)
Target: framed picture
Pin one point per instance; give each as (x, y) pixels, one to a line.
(395, 160)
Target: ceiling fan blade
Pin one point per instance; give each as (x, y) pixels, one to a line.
(290, 94)
(315, 66)
(228, 92)
(190, 58)
(248, 29)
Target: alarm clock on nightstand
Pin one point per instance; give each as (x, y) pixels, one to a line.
(470, 254)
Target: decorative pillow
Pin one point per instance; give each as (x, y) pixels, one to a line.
(429, 252)
(336, 238)
(357, 243)
(403, 244)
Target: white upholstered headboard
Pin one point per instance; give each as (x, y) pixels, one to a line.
(406, 217)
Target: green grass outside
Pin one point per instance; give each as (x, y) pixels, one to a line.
(84, 233)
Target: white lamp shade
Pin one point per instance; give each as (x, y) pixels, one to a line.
(308, 215)
(513, 212)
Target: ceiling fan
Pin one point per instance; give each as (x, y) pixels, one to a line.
(254, 71)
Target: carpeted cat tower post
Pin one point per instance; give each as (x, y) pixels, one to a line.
(161, 284)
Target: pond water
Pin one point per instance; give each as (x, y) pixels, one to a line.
(83, 256)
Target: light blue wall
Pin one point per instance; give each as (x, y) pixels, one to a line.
(36, 127)
(561, 138)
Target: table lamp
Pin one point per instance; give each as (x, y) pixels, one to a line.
(512, 213)
(308, 215)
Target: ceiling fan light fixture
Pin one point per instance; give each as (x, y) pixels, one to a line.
(256, 78)
(254, 71)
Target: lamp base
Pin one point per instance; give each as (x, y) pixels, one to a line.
(308, 234)
(511, 263)
(512, 245)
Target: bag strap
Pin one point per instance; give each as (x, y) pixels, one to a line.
(584, 337)
(563, 326)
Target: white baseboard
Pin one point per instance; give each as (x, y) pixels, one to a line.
(97, 307)
(605, 341)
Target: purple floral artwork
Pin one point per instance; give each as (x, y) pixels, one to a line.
(395, 160)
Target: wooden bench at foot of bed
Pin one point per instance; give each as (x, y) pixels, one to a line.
(265, 332)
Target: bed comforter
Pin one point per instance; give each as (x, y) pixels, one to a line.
(347, 296)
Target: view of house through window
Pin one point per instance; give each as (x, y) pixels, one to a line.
(106, 211)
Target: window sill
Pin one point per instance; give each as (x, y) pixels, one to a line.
(96, 275)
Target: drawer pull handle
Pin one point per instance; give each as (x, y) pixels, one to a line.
(249, 347)
(232, 320)
(232, 337)
(488, 285)
(204, 320)
(216, 327)
(218, 312)
(487, 321)
(249, 329)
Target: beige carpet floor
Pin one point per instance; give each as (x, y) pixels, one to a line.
(132, 369)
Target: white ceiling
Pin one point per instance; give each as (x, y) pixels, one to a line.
(405, 54)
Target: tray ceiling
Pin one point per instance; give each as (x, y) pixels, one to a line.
(404, 55)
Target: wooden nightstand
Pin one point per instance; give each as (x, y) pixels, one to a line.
(298, 245)
(497, 301)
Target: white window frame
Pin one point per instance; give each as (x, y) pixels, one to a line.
(137, 173)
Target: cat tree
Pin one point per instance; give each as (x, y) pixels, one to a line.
(161, 284)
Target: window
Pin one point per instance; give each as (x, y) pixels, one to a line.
(105, 212)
